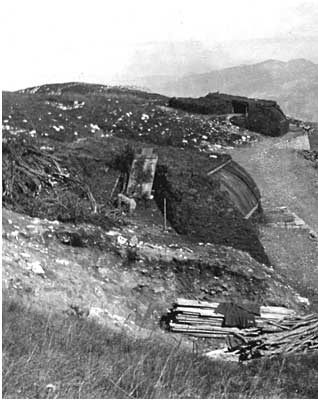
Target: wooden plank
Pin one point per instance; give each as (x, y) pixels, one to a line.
(185, 327)
(198, 311)
(273, 316)
(192, 316)
(251, 212)
(276, 309)
(205, 327)
(219, 167)
(211, 322)
(202, 333)
(195, 303)
(198, 319)
(209, 335)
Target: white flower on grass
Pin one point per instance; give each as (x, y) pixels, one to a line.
(94, 127)
(50, 387)
(144, 117)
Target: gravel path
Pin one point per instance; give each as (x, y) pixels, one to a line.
(285, 178)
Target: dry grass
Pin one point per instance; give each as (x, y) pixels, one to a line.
(83, 360)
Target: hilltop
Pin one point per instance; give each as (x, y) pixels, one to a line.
(67, 112)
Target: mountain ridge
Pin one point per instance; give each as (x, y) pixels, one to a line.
(293, 84)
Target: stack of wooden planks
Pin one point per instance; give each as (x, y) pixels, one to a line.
(198, 318)
(278, 329)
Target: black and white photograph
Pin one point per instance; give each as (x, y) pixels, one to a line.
(159, 199)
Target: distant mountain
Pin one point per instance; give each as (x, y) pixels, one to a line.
(293, 84)
(164, 60)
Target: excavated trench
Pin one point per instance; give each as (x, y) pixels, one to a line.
(196, 207)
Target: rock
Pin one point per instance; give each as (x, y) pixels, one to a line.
(63, 262)
(193, 191)
(303, 300)
(104, 273)
(112, 233)
(50, 388)
(121, 240)
(133, 241)
(96, 313)
(13, 234)
(158, 290)
(36, 268)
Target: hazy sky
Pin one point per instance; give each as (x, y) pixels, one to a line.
(93, 40)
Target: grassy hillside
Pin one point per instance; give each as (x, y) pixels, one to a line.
(67, 112)
(50, 356)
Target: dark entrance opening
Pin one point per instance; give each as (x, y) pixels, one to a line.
(313, 140)
(239, 107)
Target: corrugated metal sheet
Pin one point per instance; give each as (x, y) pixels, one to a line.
(240, 186)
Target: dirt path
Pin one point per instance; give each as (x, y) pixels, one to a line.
(286, 179)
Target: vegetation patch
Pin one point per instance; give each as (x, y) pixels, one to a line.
(69, 357)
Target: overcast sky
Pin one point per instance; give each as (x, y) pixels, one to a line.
(94, 40)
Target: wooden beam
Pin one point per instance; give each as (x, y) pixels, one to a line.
(219, 167)
(249, 214)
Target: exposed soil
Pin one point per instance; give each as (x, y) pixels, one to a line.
(87, 271)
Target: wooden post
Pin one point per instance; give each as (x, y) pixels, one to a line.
(165, 213)
(114, 187)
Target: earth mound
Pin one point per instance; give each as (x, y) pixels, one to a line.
(259, 115)
(65, 145)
